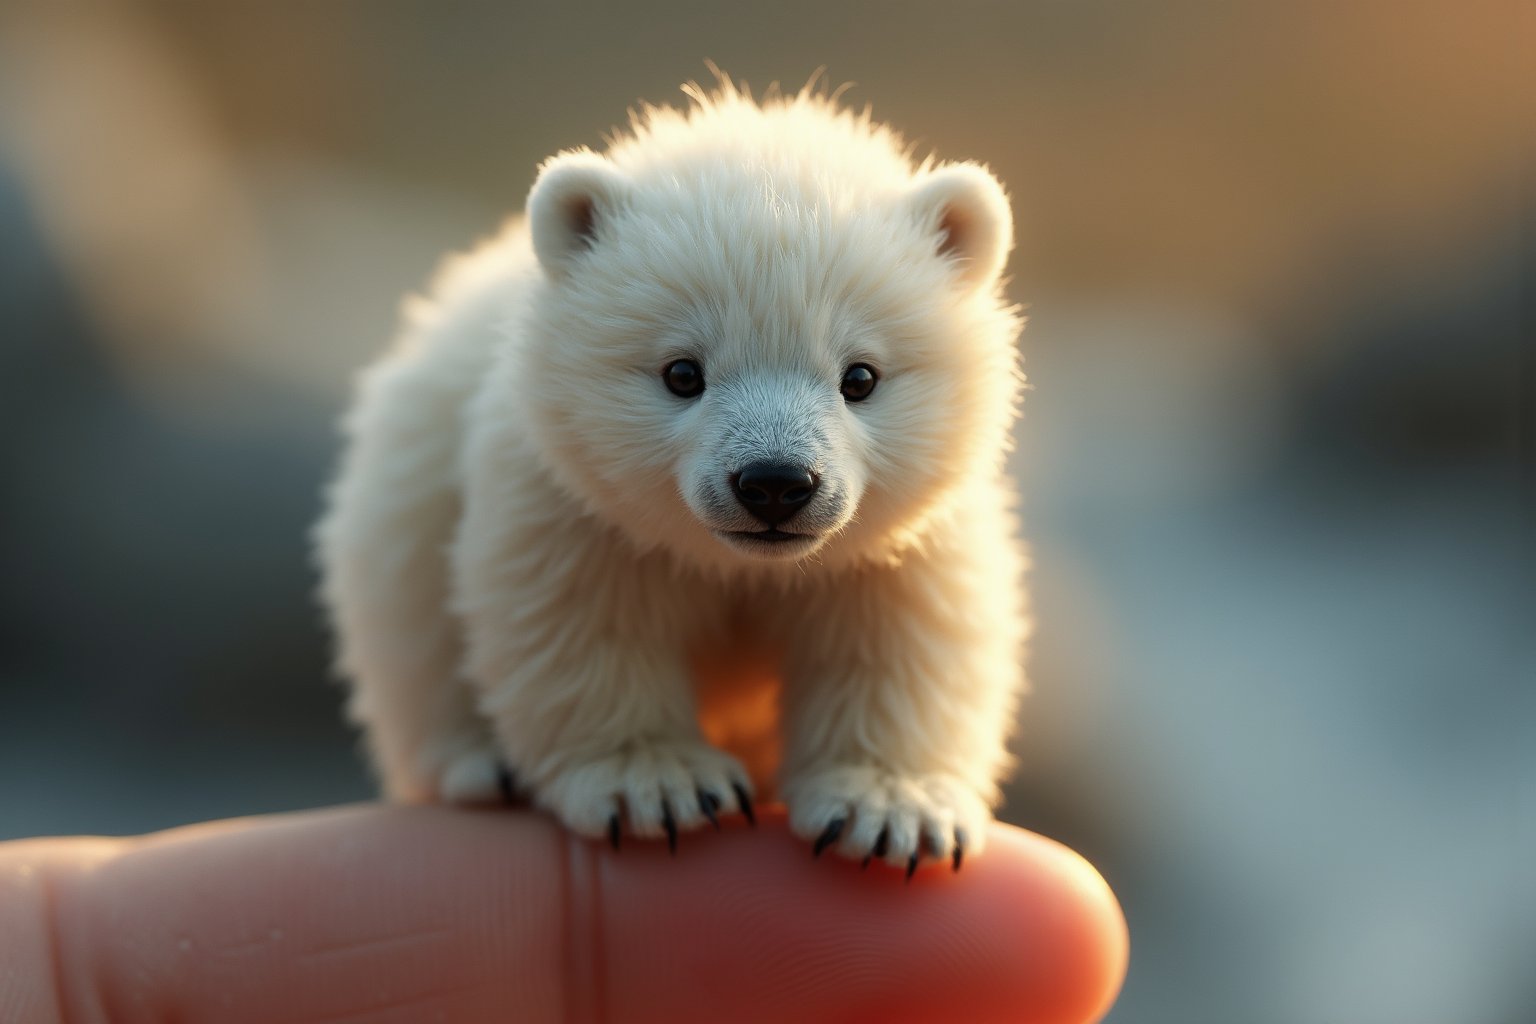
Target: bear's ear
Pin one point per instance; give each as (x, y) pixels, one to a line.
(965, 210)
(574, 195)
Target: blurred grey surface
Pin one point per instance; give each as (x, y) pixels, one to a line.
(1276, 462)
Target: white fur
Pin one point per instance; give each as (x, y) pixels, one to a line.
(527, 551)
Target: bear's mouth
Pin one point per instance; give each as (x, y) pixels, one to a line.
(770, 543)
(770, 536)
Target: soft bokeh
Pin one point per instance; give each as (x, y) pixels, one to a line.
(1279, 265)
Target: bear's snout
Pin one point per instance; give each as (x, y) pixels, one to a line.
(774, 491)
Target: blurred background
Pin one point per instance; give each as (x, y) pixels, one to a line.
(1276, 465)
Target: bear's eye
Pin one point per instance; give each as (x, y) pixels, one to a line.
(684, 378)
(859, 382)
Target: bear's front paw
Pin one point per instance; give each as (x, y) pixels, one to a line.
(664, 785)
(868, 813)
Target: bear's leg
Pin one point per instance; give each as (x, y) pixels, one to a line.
(382, 548)
(579, 650)
(899, 695)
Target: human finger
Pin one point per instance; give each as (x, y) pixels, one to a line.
(413, 914)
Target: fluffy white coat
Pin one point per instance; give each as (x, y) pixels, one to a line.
(533, 554)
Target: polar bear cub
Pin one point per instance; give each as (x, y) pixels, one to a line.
(705, 451)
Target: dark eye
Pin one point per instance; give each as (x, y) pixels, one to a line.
(859, 382)
(684, 378)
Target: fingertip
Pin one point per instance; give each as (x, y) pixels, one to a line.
(757, 930)
(1059, 913)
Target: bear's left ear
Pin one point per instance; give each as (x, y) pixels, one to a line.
(966, 211)
(575, 194)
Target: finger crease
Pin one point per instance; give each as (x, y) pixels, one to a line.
(581, 881)
(53, 929)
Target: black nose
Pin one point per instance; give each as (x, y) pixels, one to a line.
(774, 491)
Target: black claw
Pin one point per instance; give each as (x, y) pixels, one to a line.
(668, 823)
(709, 804)
(912, 865)
(828, 836)
(613, 831)
(744, 801)
(506, 784)
(959, 848)
(882, 843)
(864, 864)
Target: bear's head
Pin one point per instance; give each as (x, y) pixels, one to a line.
(763, 334)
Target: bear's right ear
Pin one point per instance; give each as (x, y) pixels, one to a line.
(574, 195)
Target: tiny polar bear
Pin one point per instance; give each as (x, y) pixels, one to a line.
(705, 452)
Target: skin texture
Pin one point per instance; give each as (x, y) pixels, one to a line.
(425, 914)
